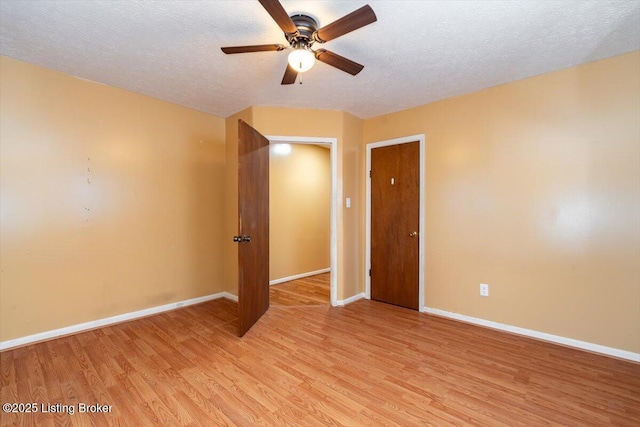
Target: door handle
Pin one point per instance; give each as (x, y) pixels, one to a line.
(240, 239)
(413, 234)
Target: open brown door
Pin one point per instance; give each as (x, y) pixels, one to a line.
(395, 221)
(253, 226)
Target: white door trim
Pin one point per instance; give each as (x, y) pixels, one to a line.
(421, 256)
(336, 197)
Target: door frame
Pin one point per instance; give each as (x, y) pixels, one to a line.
(336, 197)
(421, 231)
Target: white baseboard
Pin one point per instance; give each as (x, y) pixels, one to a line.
(74, 329)
(343, 302)
(230, 296)
(42, 336)
(298, 276)
(570, 342)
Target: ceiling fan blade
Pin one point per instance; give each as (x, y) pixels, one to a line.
(356, 19)
(290, 75)
(279, 15)
(253, 48)
(338, 61)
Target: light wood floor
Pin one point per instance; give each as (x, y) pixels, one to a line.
(313, 290)
(365, 364)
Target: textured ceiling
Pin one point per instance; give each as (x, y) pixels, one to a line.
(417, 51)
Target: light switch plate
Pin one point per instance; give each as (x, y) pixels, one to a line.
(484, 290)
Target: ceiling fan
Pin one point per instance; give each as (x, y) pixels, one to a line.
(301, 31)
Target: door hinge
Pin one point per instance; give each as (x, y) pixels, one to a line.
(369, 272)
(369, 174)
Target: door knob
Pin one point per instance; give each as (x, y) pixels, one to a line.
(413, 234)
(240, 239)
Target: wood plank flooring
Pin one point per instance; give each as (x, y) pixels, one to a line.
(368, 363)
(312, 290)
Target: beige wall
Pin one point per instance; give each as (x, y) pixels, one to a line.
(534, 188)
(299, 210)
(353, 217)
(111, 202)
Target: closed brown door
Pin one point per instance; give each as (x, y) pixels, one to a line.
(253, 226)
(395, 221)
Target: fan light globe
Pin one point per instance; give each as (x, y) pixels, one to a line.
(301, 60)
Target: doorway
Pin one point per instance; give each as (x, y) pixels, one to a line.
(388, 254)
(330, 143)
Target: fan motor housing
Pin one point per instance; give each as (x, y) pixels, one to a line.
(306, 26)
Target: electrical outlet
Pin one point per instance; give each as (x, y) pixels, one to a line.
(484, 290)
